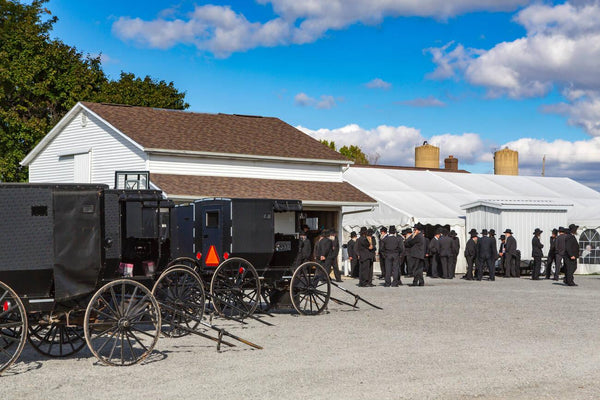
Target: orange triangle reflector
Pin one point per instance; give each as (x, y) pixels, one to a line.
(212, 259)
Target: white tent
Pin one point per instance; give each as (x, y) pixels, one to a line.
(435, 197)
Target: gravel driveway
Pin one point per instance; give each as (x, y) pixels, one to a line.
(452, 339)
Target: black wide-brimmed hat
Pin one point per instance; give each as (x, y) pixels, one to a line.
(418, 226)
(383, 229)
(484, 232)
(537, 231)
(407, 230)
(492, 232)
(392, 229)
(353, 234)
(452, 233)
(508, 231)
(302, 233)
(554, 231)
(502, 237)
(473, 232)
(370, 231)
(562, 229)
(573, 227)
(363, 229)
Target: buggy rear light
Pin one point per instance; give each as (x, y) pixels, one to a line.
(241, 270)
(198, 256)
(225, 255)
(6, 305)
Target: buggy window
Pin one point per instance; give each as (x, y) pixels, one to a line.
(212, 219)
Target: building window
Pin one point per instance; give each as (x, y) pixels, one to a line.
(589, 245)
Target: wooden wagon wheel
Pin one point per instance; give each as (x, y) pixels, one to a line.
(122, 323)
(235, 288)
(180, 294)
(13, 326)
(310, 289)
(56, 339)
(186, 261)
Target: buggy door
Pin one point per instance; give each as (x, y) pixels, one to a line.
(209, 219)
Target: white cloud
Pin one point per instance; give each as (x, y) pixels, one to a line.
(395, 145)
(561, 49)
(222, 31)
(378, 83)
(324, 102)
(578, 160)
(429, 101)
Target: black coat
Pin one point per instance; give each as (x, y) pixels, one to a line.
(351, 249)
(455, 246)
(560, 244)
(325, 249)
(511, 246)
(536, 247)
(445, 246)
(552, 250)
(304, 250)
(487, 248)
(416, 246)
(471, 249)
(571, 246)
(390, 245)
(362, 249)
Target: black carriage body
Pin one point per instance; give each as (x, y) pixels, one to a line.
(61, 241)
(242, 228)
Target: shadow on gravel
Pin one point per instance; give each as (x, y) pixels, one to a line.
(21, 367)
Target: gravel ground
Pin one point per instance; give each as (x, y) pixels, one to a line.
(452, 339)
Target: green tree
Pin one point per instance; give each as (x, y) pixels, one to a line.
(355, 154)
(41, 79)
(329, 144)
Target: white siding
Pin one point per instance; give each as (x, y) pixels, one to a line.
(161, 164)
(109, 152)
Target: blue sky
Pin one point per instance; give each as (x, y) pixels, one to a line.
(468, 75)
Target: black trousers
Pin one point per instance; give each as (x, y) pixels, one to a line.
(392, 270)
(354, 267)
(336, 270)
(452, 267)
(570, 267)
(488, 262)
(558, 260)
(410, 265)
(382, 264)
(418, 266)
(364, 271)
(537, 264)
(445, 260)
(470, 264)
(510, 265)
(435, 266)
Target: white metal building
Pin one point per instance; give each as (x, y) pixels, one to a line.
(407, 196)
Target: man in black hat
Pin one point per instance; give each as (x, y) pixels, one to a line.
(434, 253)
(511, 255)
(551, 256)
(416, 252)
(391, 247)
(471, 253)
(373, 242)
(446, 254)
(352, 254)
(336, 251)
(304, 250)
(404, 264)
(537, 254)
(454, 257)
(383, 232)
(560, 251)
(325, 251)
(363, 251)
(487, 255)
(501, 254)
(572, 254)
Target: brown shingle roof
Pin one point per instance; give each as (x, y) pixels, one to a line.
(249, 188)
(155, 128)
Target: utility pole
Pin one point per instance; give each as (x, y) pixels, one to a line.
(544, 166)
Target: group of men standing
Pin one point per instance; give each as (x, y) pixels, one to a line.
(411, 252)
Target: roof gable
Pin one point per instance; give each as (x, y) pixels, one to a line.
(213, 133)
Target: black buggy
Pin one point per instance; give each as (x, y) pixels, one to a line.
(82, 264)
(246, 250)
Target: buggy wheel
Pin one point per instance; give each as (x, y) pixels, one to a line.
(187, 262)
(310, 289)
(55, 339)
(122, 323)
(235, 288)
(13, 326)
(180, 294)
